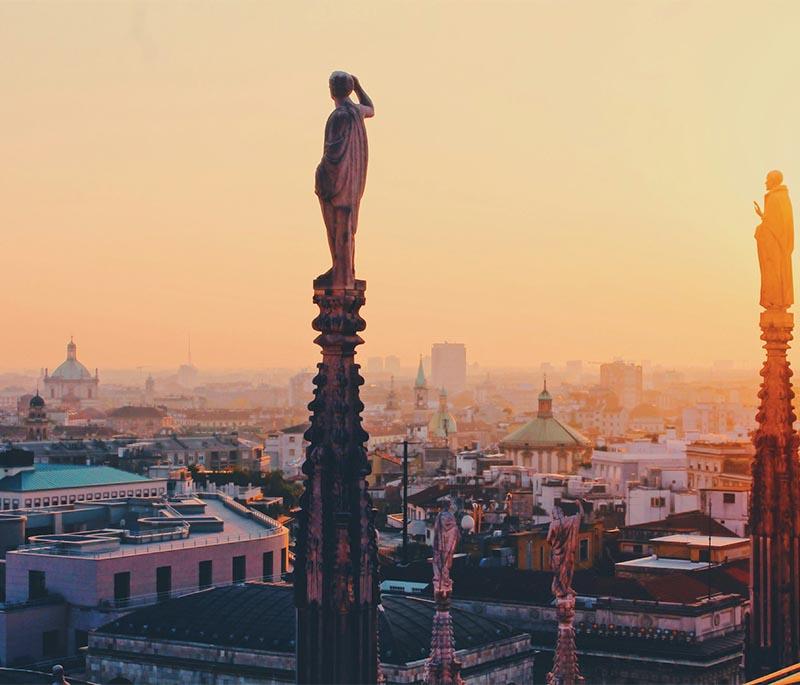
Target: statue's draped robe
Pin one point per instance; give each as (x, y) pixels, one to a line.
(775, 240)
(342, 173)
(445, 540)
(563, 539)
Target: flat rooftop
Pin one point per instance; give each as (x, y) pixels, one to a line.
(704, 541)
(665, 563)
(212, 520)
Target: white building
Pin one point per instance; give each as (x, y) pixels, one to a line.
(728, 507)
(625, 463)
(25, 485)
(646, 504)
(286, 449)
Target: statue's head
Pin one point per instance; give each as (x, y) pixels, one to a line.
(341, 84)
(774, 179)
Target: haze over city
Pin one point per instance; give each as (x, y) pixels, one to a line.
(158, 165)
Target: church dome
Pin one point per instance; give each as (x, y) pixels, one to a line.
(71, 369)
(36, 401)
(545, 431)
(442, 424)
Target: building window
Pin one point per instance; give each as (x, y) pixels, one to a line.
(46, 501)
(105, 495)
(37, 587)
(268, 563)
(90, 496)
(122, 588)
(583, 550)
(81, 498)
(28, 503)
(163, 582)
(728, 498)
(204, 574)
(50, 643)
(283, 560)
(239, 569)
(657, 501)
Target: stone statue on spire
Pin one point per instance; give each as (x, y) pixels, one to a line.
(773, 638)
(775, 240)
(342, 174)
(563, 539)
(443, 668)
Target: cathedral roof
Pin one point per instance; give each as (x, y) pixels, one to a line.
(545, 432)
(261, 617)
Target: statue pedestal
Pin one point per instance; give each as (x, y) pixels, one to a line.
(443, 668)
(774, 522)
(336, 581)
(565, 658)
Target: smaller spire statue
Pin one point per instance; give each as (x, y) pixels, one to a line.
(775, 241)
(563, 539)
(443, 668)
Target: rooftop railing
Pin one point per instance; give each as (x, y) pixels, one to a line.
(153, 548)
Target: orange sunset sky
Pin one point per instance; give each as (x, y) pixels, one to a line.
(548, 180)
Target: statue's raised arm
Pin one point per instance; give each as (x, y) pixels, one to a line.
(775, 240)
(342, 174)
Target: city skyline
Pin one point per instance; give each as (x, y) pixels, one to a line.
(613, 217)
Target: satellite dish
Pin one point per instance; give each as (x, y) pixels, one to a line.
(467, 523)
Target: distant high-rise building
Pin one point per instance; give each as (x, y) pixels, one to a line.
(624, 380)
(449, 366)
(391, 364)
(149, 390)
(374, 364)
(574, 369)
(301, 389)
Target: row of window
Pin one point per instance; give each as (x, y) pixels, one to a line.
(205, 576)
(37, 580)
(14, 503)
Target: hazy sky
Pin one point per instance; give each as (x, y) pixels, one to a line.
(548, 180)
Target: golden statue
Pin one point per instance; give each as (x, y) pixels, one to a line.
(775, 240)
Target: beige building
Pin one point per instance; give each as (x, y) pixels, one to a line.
(545, 444)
